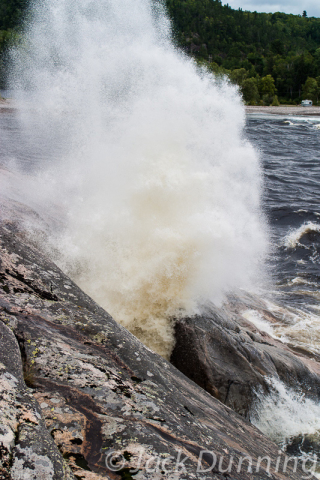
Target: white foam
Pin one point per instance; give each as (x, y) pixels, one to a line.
(285, 413)
(257, 319)
(297, 327)
(294, 236)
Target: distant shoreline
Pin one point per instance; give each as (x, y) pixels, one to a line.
(285, 110)
(8, 105)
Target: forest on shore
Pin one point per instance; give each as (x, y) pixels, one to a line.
(272, 57)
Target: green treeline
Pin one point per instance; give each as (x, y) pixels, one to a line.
(270, 56)
(11, 13)
(11, 17)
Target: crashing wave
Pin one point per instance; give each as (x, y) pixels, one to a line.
(295, 236)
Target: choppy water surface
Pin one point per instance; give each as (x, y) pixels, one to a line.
(291, 161)
(290, 153)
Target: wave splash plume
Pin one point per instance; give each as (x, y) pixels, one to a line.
(157, 192)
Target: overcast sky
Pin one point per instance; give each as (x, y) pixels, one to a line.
(312, 7)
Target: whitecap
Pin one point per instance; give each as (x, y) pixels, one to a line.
(294, 236)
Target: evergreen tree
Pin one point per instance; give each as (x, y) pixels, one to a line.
(310, 90)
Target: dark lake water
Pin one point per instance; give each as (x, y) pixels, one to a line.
(290, 152)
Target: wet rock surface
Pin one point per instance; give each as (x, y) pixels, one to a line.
(230, 358)
(83, 398)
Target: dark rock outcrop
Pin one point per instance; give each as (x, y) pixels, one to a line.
(95, 392)
(230, 358)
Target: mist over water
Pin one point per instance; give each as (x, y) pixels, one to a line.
(146, 170)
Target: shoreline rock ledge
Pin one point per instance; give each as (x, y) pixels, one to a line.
(82, 398)
(231, 358)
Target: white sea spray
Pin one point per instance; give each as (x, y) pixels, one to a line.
(155, 187)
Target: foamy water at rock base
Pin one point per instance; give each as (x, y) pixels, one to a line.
(291, 420)
(285, 413)
(147, 170)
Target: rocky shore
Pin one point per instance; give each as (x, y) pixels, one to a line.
(82, 398)
(9, 106)
(229, 357)
(285, 110)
